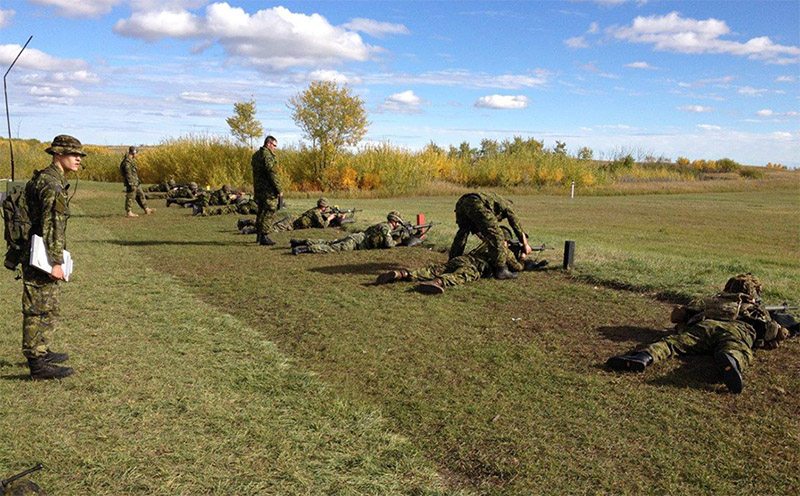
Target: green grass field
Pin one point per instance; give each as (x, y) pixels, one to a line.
(208, 365)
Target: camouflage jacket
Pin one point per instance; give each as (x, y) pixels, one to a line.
(311, 218)
(129, 171)
(501, 208)
(379, 236)
(48, 208)
(740, 307)
(220, 197)
(265, 176)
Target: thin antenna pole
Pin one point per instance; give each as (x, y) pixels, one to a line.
(8, 117)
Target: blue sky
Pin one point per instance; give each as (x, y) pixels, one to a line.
(699, 79)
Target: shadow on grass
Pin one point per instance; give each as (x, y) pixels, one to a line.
(365, 268)
(16, 377)
(156, 242)
(696, 372)
(642, 335)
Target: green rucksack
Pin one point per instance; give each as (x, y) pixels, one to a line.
(17, 226)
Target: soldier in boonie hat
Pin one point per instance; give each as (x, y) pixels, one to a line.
(323, 203)
(64, 144)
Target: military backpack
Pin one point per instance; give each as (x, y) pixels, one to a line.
(17, 226)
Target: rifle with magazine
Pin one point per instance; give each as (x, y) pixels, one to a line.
(782, 315)
(342, 216)
(411, 234)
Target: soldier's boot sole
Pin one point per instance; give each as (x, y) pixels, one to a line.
(388, 277)
(131, 215)
(430, 288)
(636, 362)
(731, 375)
(43, 371)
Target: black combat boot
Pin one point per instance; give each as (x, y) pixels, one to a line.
(633, 362)
(55, 357)
(731, 374)
(41, 370)
(298, 242)
(535, 264)
(504, 273)
(433, 287)
(241, 223)
(391, 276)
(297, 250)
(170, 201)
(265, 241)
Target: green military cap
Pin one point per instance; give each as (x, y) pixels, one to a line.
(323, 202)
(394, 216)
(64, 144)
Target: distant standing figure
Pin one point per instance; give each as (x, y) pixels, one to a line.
(133, 188)
(48, 208)
(481, 213)
(266, 189)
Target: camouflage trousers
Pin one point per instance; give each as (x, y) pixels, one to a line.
(472, 216)
(352, 242)
(247, 208)
(708, 337)
(266, 214)
(284, 225)
(455, 272)
(134, 193)
(40, 310)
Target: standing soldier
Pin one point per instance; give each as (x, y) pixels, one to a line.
(48, 208)
(266, 189)
(481, 213)
(133, 189)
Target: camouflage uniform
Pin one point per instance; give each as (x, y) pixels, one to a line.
(243, 206)
(48, 208)
(377, 236)
(266, 188)
(312, 218)
(133, 189)
(481, 213)
(464, 268)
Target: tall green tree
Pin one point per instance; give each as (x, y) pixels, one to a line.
(244, 126)
(331, 118)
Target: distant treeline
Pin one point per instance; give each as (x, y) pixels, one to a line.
(383, 169)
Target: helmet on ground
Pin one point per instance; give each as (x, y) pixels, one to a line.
(64, 144)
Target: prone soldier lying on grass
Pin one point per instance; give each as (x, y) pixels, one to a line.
(320, 217)
(383, 235)
(728, 325)
(462, 269)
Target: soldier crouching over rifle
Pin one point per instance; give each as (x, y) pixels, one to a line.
(728, 325)
(462, 269)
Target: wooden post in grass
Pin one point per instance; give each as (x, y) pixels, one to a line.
(569, 254)
(421, 221)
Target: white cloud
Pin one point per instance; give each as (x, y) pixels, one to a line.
(404, 102)
(765, 113)
(5, 17)
(640, 65)
(698, 109)
(464, 79)
(750, 91)
(375, 28)
(785, 79)
(709, 127)
(502, 102)
(674, 33)
(81, 8)
(154, 25)
(203, 97)
(594, 28)
(331, 75)
(782, 135)
(576, 42)
(37, 60)
(85, 77)
(274, 38)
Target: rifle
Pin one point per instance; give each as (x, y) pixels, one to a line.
(7, 482)
(410, 234)
(780, 308)
(349, 211)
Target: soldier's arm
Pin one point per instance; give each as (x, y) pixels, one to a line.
(388, 240)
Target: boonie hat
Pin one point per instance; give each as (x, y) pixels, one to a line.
(64, 144)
